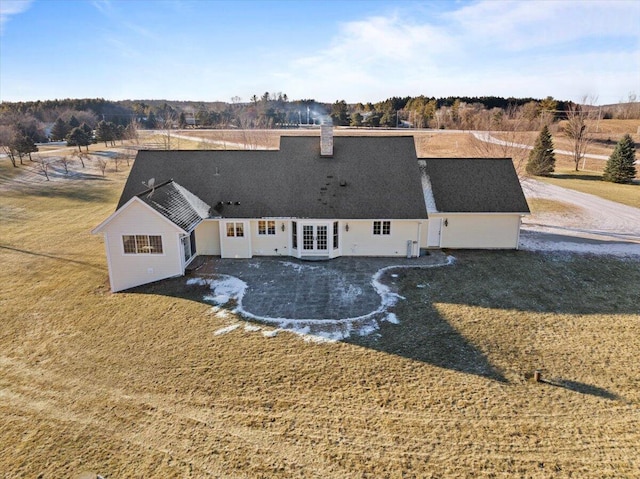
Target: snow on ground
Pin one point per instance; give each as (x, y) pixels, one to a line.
(226, 330)
(590, 225)
(226, 289)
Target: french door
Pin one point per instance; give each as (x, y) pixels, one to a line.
(315, 239)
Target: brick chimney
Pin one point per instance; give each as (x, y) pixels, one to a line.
(326, 140)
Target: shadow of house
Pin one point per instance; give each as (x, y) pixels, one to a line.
(295, 289)
(520, 281)
(426, 336)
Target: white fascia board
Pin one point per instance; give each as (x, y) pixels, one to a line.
(512, 213)
(98, 229)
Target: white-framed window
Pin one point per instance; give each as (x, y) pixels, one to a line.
(142, 244)
(235, 229)
(266, 227)
(382, 227)
(335, 235)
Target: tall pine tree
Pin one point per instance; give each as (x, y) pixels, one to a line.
(59, 130)
(542, 161)
(620, 165)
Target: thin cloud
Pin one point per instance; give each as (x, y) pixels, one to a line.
(516, 25)
(12, 7)
(103, 6)
(506, 48)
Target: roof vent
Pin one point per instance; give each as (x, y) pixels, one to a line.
(326, 140)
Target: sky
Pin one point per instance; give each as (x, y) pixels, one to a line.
(357, 51)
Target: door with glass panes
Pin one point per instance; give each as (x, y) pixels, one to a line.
(315, 238)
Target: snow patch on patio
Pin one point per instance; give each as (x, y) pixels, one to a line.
(299, 268)
(226, 289)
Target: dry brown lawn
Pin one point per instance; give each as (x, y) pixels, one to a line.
(138, 384)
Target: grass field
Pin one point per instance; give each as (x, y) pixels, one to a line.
(138, 385)
(591, 182)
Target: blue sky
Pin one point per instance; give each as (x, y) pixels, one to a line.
(325, 50)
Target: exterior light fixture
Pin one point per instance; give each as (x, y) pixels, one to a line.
(282, 227)
(446, 222)
(346, 227)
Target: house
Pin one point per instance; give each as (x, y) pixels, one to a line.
(342, 196)
(474, 203)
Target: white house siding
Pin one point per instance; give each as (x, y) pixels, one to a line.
(360, 240)
(208, 238)
(129, 270)
(234, 246)
(479, 231)
(271, 245)
(424, 232)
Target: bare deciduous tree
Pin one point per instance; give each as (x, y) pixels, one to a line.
(118, 159)
(131, 132)
(577, 127)
(7, 136)
(102, 164)
(507, 142)
(81, 155)
(65, 161)
(43, 166)
(169, 119)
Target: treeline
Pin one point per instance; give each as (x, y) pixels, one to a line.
(265, 111)
(39, 121)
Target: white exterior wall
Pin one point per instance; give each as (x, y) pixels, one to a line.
(208, 238)
(424, 232)
(129, 270)
(479, 231)
(234, 246)
(360, 240)
(266, 245)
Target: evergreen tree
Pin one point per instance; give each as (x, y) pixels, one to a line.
(79, 137)
(60, 130)
(339, 113)
(25, 145)
(151, 121)
(620, 165)
(73, 122)
(105, 131)
(356, 119)
(542, 161)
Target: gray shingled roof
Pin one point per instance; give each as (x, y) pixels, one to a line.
(367, 178)
(177, 204)
(477, 185)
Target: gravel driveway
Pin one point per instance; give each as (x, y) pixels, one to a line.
(591, 225)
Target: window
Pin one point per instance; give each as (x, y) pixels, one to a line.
(235, 229)
(142, 244)
(266, 227)
(294, 234)
(382, 227)
(335, 235)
